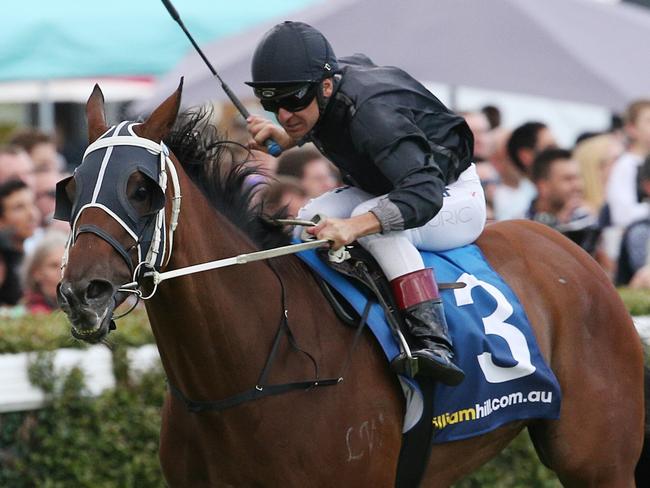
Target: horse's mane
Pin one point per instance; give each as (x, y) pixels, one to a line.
(209, 161)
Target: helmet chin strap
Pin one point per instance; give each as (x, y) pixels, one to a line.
(321, 99)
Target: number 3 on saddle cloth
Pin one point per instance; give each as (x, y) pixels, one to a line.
(506, 377)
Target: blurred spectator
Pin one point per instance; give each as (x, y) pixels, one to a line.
(480, 127)
(623, 196)
(235, 130)
(493, 115)
(633, 262)
(41, 148)
(18, 220)
(526, 142)
(490, 182)
(41, 272)
(513, 196)
(15, 163)
(266, 164)
(584, 136)
(44, 194)
(315, 173)
(596, 155)
(559, 203)
(514, 192)
(284, 192)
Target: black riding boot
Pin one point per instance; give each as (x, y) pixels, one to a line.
(426, 327)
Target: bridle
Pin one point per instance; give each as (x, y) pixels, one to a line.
(153, 239)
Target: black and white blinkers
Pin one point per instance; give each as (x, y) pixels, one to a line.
(101, 182)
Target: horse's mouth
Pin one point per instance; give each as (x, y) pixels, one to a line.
(90, 325)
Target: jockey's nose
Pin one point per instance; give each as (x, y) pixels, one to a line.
(84, 292)
(284, 115)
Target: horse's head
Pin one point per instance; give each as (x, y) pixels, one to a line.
(115, 203)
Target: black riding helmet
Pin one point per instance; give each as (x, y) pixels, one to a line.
(289, 57)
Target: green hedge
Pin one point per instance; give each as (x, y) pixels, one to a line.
(79, 441)
(636, 301)
(50, 332)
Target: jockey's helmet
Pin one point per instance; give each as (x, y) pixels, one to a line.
(290, 59)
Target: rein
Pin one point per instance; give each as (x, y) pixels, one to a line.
(220, 263)
(261, 389)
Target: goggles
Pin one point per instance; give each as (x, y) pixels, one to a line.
(293, 99)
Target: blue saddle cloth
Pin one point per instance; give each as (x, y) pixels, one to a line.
(506, 377)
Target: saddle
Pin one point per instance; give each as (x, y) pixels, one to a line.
(360, 266)
(364, 269)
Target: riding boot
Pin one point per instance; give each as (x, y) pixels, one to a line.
(427, 334)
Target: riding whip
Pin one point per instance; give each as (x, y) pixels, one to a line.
(272, 147)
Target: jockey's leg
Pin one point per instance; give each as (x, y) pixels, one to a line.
(337, 203)
(459, 222)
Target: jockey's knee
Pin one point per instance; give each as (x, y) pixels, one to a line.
(452, 227)
(337, 203)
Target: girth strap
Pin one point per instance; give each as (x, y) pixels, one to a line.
(256, 393)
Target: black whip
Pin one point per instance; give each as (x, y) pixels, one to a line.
(272, 147)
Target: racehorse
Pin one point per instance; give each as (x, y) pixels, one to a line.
(214, 331)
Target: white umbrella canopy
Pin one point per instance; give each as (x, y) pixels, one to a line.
(575, 50)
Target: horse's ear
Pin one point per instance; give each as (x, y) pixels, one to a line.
(161, 121)
(95, 115)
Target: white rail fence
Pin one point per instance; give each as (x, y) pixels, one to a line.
(18, 394)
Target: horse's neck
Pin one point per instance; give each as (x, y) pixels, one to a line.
(214, 328)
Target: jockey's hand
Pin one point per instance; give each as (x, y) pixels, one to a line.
(262, 129)
(345, 231)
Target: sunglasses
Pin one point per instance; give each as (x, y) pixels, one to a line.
(292, 101)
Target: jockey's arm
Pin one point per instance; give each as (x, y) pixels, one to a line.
(346, 231)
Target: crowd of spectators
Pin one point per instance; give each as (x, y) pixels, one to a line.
(597, 193)
(31, 242)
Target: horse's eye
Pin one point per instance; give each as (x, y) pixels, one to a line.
(141, 194)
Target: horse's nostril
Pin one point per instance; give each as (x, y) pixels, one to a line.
(64, 293)
(98, 289)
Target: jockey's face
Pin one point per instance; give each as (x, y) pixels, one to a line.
(298, 124)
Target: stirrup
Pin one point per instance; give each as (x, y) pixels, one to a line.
(405, 365)
(439, 367)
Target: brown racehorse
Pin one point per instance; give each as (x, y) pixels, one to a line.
(214, 331)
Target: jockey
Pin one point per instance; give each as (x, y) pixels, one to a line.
(406, 158)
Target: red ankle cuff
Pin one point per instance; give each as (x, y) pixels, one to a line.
(414, 288)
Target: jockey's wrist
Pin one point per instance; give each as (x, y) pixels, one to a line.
(389, 216)
(366, 224)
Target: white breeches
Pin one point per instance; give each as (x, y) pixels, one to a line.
(459, 222)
